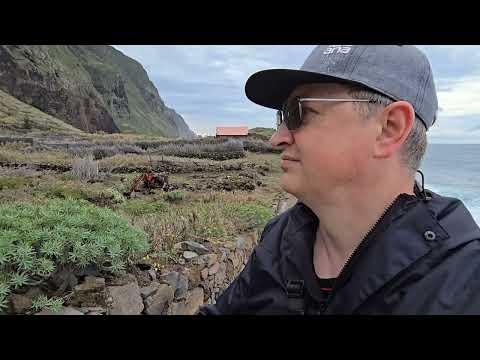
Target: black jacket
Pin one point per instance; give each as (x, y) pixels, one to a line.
(422, 257)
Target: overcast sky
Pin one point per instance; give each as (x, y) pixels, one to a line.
(205, 84)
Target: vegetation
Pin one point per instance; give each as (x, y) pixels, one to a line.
(37, 239)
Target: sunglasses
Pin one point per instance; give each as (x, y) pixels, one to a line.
(291, 113)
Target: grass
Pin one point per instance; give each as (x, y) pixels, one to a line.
(96, 193)
(210, 217)
(14, 182)
(166, 217)
(142, 207)
(9, 154)
(19, 117)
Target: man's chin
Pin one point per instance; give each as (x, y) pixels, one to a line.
(289, 185)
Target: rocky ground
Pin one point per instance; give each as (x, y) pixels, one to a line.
(181, 289)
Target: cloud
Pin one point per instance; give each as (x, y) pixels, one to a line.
(462, 97)
(205, 84)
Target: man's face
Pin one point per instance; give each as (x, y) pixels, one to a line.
(330, 151)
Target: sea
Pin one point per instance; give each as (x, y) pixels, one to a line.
(454, 170)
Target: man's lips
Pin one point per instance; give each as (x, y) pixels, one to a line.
(286, 157)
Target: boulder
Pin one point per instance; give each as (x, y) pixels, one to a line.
(196, 247)
(90, 293)
(149, 290)
(190, 306)
(189, 255)
(214, 269)
(157, 303)
(178, 282)
(204, 273)
(126, 299)
(152, 274)
(205, 260)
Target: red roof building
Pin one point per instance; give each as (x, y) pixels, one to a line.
(232, 131)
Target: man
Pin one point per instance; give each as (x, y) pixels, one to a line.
(364, 238)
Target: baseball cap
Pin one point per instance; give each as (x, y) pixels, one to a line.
(400, 72)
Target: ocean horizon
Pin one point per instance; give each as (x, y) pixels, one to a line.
(453, 170)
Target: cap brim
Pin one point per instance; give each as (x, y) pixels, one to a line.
(270, 88)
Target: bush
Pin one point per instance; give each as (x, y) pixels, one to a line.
(219, 150)
(259, 146)
(100, 151)
(85, 168)
(174, 196)
(36, 239)
(141, 207)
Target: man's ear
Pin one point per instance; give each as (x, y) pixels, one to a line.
(393, 124)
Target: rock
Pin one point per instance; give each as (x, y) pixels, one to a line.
(170, 278)
(89, 270)
(156, 304)
(204, 273)
(33, 293)
(64, 278)
(196, 247)
(126, 299)
(96, 309)
(194, 277)
(235, 260)
(178, 282)
(149, 290)
(189, 255)
(90, 293)
(152, 274)
(20, 303)
(195, 299)
(174, 308)
(190, 306)
(64, 311)
(220, 275)
(124, 280)
(241, 243)
(94, 313)
(90, 284)
(205, 260)
(214, 269)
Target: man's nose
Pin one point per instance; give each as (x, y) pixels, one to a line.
(281, 138)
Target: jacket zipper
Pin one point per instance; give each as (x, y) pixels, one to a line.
(354, 254)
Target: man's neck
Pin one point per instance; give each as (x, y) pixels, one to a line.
(344, 223)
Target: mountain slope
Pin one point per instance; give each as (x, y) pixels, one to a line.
(92, 87)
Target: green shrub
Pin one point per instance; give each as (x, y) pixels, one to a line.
(36, 239)
(141, 207)
(94, 193)
(42, 302)
(174, 196)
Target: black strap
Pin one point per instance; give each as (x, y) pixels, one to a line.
(296, 303)
(421, 192)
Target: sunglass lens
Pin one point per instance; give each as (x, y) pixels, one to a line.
(291, 114)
